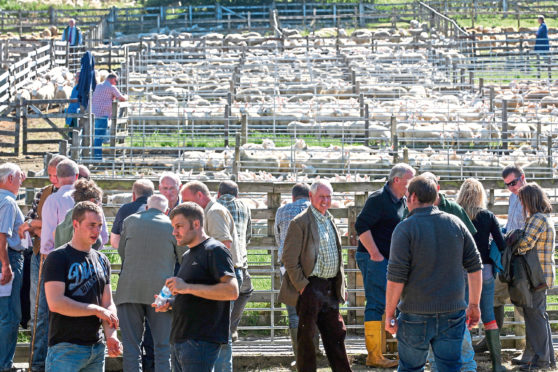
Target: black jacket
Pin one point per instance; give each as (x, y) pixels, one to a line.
(523, 273)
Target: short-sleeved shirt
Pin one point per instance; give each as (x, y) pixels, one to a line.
(126, 210)
(85, 275)
(101, 101)
(11, 219)
(219, 224)
(198, 318)
(381, 213)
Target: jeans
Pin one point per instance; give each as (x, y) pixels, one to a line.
(293, 318)
(132, 317)
(244, 295)
(537, 331)
(224, 360)
(194, 356)
(101, 125)
(67, 357)
(487, 301)
(41, 331)
(374, 277)
(443, 331)
(10, 312)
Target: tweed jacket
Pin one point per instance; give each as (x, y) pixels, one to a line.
(300, 253)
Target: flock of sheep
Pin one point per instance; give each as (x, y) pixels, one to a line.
(317, 89)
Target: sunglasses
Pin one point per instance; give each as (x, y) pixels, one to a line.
(513, 182)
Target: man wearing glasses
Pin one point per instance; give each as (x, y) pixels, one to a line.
(514, 178)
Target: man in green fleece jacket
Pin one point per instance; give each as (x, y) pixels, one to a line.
(428, 252)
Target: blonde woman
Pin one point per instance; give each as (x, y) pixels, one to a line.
(539, 235)
(472, 198)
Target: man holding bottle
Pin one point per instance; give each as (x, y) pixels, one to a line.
(204, 287)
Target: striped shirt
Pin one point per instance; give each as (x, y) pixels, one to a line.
(241, 216)
(283, 217)
(540, 234)
(33, 213)
(327, 263)
(101, 101)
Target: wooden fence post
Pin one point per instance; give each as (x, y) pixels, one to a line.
(505, 125)
(243, 129)
(74, 149)
(63, 147)
(17, 126)
(366, 125)
(236, 160)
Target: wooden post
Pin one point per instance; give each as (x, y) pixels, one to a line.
(492, 94)
(236, 160)
(63, 147)
(462, 78)
(505, 125)
(74, 149)
(114, 121)
(226, 126)
(366, 125)
(17, 125)
(549, 151)
(243, 129)
(87, 143)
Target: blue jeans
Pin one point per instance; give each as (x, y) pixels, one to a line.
(224, 360)
(194, 356)
(41, 331)
(10, 312)
(67, 357)
(487, 301)
(374, 277)
(443, 331)
(101, 125)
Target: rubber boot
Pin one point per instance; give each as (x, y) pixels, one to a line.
(499, 315)
(373, 338)
(294, 334)
(493, 340)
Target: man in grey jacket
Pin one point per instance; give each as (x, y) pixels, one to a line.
(427, 255)
(149, 253)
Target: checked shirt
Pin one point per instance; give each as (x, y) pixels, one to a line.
(327, 263)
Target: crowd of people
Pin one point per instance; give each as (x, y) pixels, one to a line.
(429, 267)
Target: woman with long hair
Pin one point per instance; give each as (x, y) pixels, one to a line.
(540, 235)
(472, 198)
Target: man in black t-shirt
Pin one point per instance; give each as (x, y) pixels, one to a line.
(204, 287)
(78, 293)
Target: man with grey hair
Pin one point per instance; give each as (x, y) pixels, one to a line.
(72, 34)
(228, 197)
(11, 261)
(149, 253)
(315, 281)
(141, 190)
(383, 210)
(169, 186)
(32, 225)
(219, 224)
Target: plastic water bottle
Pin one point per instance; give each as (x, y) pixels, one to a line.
(163, 296)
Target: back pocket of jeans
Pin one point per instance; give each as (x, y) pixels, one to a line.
(414, 332)
(456, 326)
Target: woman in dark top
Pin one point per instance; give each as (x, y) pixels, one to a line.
(472, 198)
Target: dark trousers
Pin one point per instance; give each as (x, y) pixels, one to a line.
(318, 306)
(26, 288)
(537, 331)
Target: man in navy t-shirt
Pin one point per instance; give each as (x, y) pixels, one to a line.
(204, 287)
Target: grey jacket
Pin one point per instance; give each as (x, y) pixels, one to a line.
(300, 252)
(149, 253)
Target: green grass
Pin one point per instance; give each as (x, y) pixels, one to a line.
(500, 21)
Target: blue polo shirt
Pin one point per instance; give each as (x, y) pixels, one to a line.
(11, 219)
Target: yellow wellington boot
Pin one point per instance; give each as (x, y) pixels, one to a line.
(373, 338)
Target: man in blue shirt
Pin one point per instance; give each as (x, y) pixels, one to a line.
(11, 261)
(72, 34)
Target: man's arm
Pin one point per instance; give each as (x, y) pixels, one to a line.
(63, 305)
(4, 259)
(113, 345)
(368, 242)
(226, 290)
(475, 288)
(49, 225)
(217, 227)
(114, 240)
(393, 294)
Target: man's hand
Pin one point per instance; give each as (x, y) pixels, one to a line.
(114, 347)
(473, 316)
(22, 229)
(108, 316)
(161, 309)
(6, 273)
(376, 257)
(391, 324)
(176, 285)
